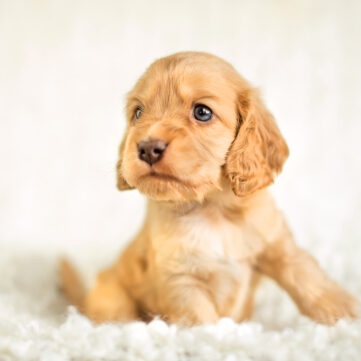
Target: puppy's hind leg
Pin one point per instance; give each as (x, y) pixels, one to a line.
(108, 300)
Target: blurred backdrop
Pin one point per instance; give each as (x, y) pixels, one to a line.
(65, 67)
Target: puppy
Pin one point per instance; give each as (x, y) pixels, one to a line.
(201, 145)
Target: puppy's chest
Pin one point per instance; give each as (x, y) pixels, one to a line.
(219, 237)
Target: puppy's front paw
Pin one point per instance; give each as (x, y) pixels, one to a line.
(332, 304)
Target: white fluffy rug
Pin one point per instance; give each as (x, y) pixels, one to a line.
(37, 324)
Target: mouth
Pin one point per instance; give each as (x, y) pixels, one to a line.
(162, 177)
(167, 187)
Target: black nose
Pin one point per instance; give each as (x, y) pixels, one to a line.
(151, 151)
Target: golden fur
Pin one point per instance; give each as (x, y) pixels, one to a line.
(212, 229)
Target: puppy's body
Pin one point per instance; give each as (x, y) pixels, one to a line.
(211, 228)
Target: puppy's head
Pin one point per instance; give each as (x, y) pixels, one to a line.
(193, 121)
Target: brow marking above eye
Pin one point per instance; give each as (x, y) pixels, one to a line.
(134, 101)
(205, 98)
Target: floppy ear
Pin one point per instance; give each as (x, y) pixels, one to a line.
(122, 184)
(258, 151)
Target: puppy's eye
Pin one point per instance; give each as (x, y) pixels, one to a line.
(202, 113)
(138, 112)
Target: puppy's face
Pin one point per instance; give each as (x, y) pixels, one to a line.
(184, 117)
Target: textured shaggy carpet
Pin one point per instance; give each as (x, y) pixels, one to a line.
(37, 324)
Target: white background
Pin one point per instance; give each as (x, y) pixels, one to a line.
(65, 67)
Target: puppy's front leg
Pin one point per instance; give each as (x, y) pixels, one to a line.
(184, 300)
(296, 270)
(299, 274)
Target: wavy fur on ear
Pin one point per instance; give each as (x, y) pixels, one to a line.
(258, 151)
(122, 184)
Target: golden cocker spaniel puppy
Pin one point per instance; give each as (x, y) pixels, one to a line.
(201, 145)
